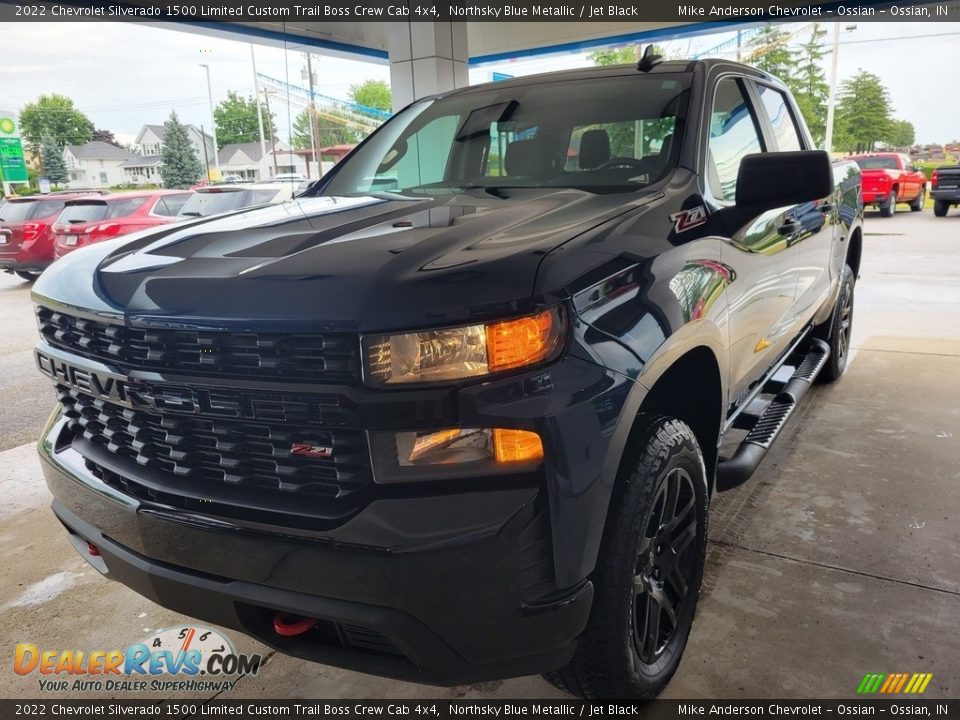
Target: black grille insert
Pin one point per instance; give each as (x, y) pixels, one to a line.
(330, 356)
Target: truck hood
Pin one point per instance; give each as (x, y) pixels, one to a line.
(357, 263)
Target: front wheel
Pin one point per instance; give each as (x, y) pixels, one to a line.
(940, 208)
(840, 326)
(28, 275)
(648, 574)
(918, 201)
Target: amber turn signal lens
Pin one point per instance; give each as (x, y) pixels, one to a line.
(524, 341)
(511, 446)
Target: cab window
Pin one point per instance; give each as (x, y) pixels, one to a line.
(781, 119)
(734, 134)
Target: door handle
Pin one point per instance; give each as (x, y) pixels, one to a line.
(790, 227)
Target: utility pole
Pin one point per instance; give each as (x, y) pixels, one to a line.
(216, 149)
(314, 130)
(832, 100)
(206, 158)
(739, 43)
(256, 94)
(273, 149)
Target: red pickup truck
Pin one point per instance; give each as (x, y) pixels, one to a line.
(890, 178)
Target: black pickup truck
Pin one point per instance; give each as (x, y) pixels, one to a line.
(458, 413)
(945, 189)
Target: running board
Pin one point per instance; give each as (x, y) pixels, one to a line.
(738, 469)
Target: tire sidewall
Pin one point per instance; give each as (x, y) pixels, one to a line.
(639, 679)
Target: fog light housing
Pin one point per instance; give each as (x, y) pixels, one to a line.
(453, 452)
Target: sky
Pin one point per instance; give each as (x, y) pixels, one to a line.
(124, 75)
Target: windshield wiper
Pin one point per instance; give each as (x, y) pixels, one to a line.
(191, 213)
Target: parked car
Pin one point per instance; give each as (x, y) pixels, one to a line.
(89, 220)
(890, 178)
(289, 177)
(231, 180)
(218, 199)
(26, 232)
(945, 188)
(458, 414)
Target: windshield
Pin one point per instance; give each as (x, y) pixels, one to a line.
(619, 133)
(877, 163)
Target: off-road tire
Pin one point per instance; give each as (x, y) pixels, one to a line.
(607, 662)
(837, 330)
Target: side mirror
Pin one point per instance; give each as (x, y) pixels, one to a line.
(771, 180)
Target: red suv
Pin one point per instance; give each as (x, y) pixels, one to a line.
(26, 235)
(89, 220)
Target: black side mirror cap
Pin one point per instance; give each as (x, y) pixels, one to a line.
(776, 179)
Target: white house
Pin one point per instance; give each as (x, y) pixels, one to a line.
(142, 170)
(95, 165)
(250, 162)
(150, 142)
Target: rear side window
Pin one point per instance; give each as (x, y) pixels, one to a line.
(122, 208)
(170, 205)
(781, 119)
(733, 135)
(83, 213)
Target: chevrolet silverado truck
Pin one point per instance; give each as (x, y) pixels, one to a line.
(890, 178)
(945, 189)
(458, 413)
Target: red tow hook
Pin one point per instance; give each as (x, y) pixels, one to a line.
(289, 625)
(93, 549)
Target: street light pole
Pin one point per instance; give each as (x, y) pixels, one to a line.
(216, 150)
(832, 100)
(256, 94)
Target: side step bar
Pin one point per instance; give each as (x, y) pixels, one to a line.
(738, 469)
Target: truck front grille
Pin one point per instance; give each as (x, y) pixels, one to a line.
(329, 357)
(220, 463)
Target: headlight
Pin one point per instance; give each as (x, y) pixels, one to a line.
(463, 352)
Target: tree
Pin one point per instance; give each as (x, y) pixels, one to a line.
(901, 134)
(809, 85)
(54, 167)
(54, 116)
(372, 94)
(236, 119)
(332, 127)
(771, 53)
(626, 55)
(863, 112)
(106, 136)
(181, 167)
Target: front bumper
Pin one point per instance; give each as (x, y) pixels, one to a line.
(429, 589)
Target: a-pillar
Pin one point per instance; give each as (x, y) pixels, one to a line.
(426, 58)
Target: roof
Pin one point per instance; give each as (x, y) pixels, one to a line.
(252, 150)
(143, 161)
(160, 131)
(99, 150)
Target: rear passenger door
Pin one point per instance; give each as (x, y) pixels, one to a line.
(761, 297)
(814, 223)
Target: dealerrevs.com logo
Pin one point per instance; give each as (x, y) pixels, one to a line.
(169, 660)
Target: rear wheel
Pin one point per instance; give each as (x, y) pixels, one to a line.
(648, 574)
(940, 208)
(28, 275)
(918, 201)
(839, 328)
(890, 206)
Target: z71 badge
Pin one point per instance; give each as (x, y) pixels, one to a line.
(687, 219)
